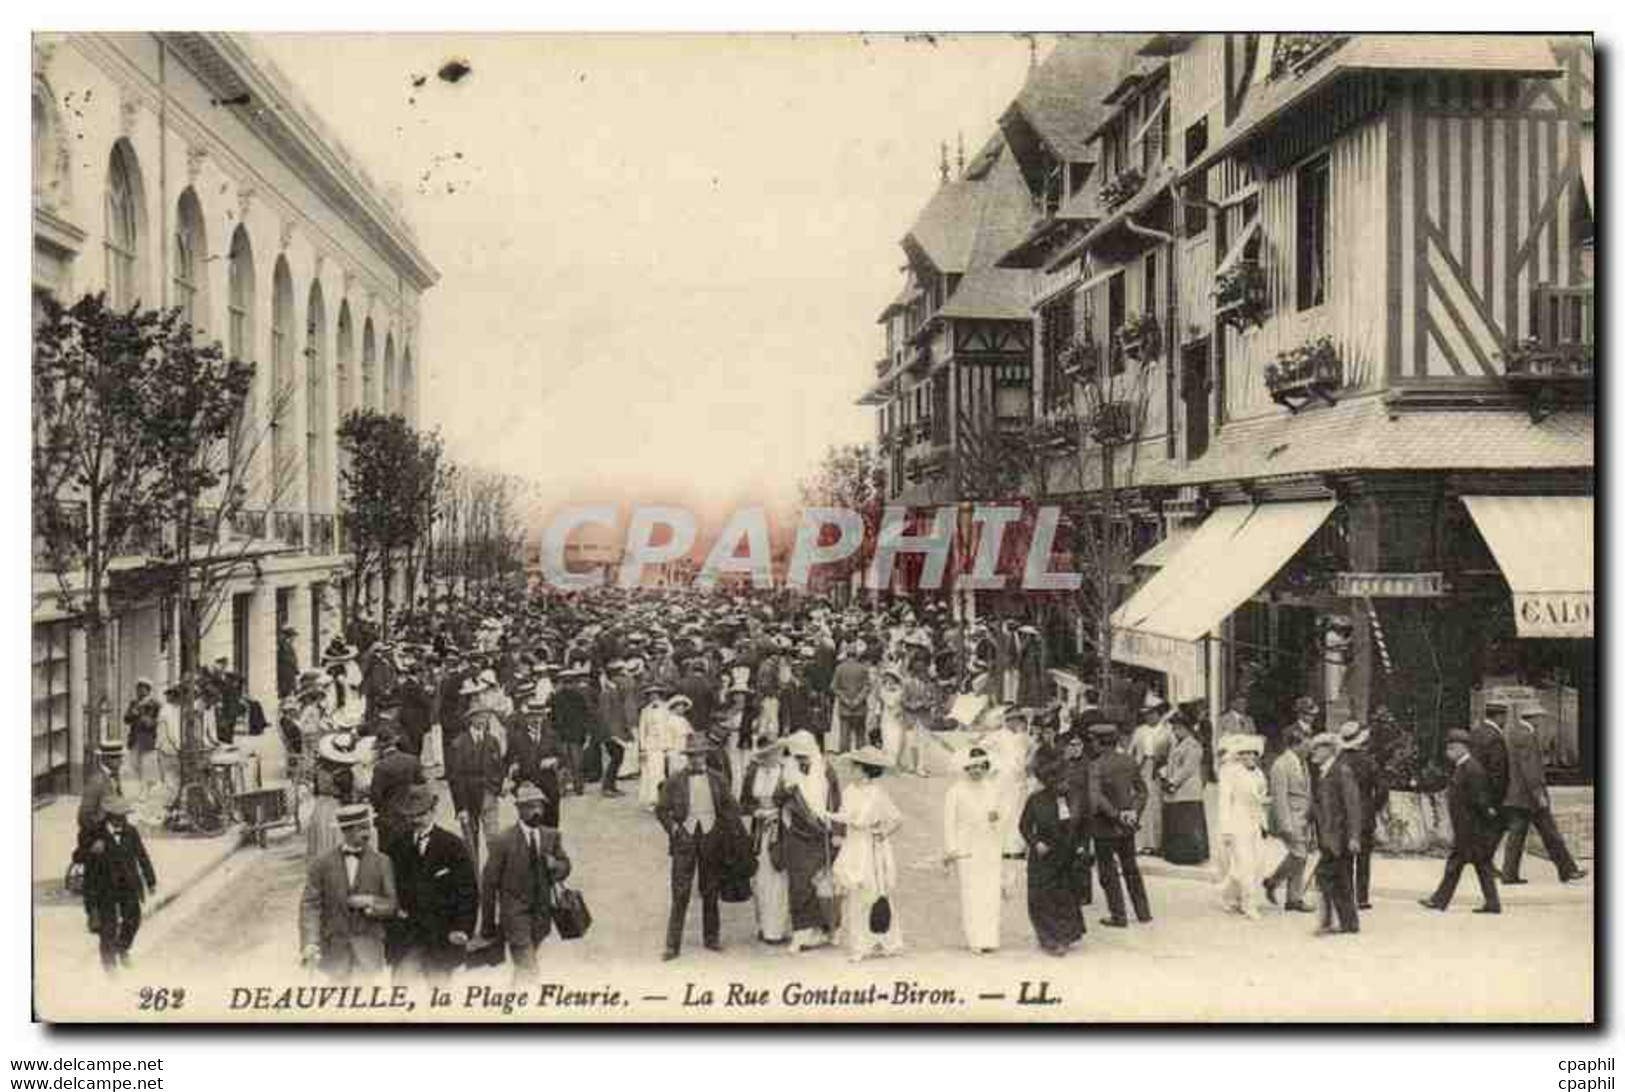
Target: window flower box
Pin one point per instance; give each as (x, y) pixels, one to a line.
(1122, 186)
(1140, 337)
(1081, 359)
(1312, 370)
(1240, 295)
(1296, 53)
(1111, 423)
(1550, 373)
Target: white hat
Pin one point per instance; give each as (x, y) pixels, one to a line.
(801, 744)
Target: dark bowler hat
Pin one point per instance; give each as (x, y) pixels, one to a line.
(1458, 735)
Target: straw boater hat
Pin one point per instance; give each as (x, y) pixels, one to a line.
(354, 815)
(976, 756)
(111, 748)
(339, 747)
(1353, 734)
(1532, 709)
(416, 800)
(871, 756)
(680, 703)
(528, 793)
(1306, 706)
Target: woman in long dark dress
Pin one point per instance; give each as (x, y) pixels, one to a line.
(1052, 825)
(809, 792)
(1184, 818)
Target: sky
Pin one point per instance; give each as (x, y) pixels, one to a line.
(661, 257)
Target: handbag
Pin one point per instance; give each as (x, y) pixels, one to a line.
(570, 914)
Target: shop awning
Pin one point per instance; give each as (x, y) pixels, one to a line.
(1544, 547)
(1234, 553)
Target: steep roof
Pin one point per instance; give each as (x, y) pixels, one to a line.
(1062, 98)
(945, 229)
(1266, 103)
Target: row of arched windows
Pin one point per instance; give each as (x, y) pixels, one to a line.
(124, 244)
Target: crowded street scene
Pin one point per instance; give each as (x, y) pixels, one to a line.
(1164, 595)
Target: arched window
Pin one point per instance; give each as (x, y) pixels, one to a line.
(123, 228)
(281, 404)
(389, 375)
(316, 430)
(343, 362)
(240, 297)
(190, 249)
(368, 356)
(409, 388)
(43, 137)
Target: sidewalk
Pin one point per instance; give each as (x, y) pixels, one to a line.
(1412, 878)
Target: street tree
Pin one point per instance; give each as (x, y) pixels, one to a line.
(379, 491)
(849, 476)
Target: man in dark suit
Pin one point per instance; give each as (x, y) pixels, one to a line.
(102, 782)
(349, 896)
(516, 901)
(287, 663)
(1119, 797)
(694, 805)
(438, 890)
(1489, 747)
(474, 774)
(392, 773)
(1373, 798)
(1527, 800)
(533, 755)
(118, 875)
(700, 688)
(1476, 822)
(415, 709)
(1337, 815)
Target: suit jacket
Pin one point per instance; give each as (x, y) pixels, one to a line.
(99, 785)
(526, 755)
(511, 894)
(1118, 788)
(437, 889)
(474, 771)
(1338, 816)
(1290, 800)
(116, 868)
(571, 715)
(700, 689)
(1373, 795)
(1472, 810)
(612, 713)
(1489, 747)
(672, 810)
(391, 776)
(327, 919)
(1526, 769)
(1183, 774)
(414, 719)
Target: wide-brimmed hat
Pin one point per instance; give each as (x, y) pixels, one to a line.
(1353, 734)
(1306, 706)
(1152, 701)
(872, 756)
(340, 747)
(682, 700)
(1242, 744)
(115, 805)
(534, 702)
(416, 800)
(976, 756)
(342, 654)
(802, 744)
(1325, 739)
(111, 748)
(354, 815)
(1532, 709)
(146, 682)
(528, 793)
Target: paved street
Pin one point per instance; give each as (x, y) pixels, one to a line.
(238, 927)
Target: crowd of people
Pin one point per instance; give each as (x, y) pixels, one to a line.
(765, 733)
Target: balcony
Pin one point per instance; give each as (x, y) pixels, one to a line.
(289, 527)
(322, 534)
(248, 523)
(1557, 364)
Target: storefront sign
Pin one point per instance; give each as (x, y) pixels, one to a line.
(1553, 614)
(1169, 655)
(1388, 585)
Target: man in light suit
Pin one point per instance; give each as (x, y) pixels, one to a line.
(694, 804)
(438, 892)
(516, 901)
(1289, 820)
(349, 896)
(1526, 800)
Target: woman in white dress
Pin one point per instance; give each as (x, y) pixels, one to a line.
(1243, 800)
(1149, 747)
(771, 884)
(1011, 748)
(677, 731)
(866, 868)
(889, 720)
(973, 839)
(651, 746)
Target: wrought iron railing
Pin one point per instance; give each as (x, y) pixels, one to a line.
(289, 527)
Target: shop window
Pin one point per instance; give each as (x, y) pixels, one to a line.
(1314, 201)
(50, 736)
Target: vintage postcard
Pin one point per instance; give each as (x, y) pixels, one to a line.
(836, 528)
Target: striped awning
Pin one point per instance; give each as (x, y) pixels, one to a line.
(1544, 546)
